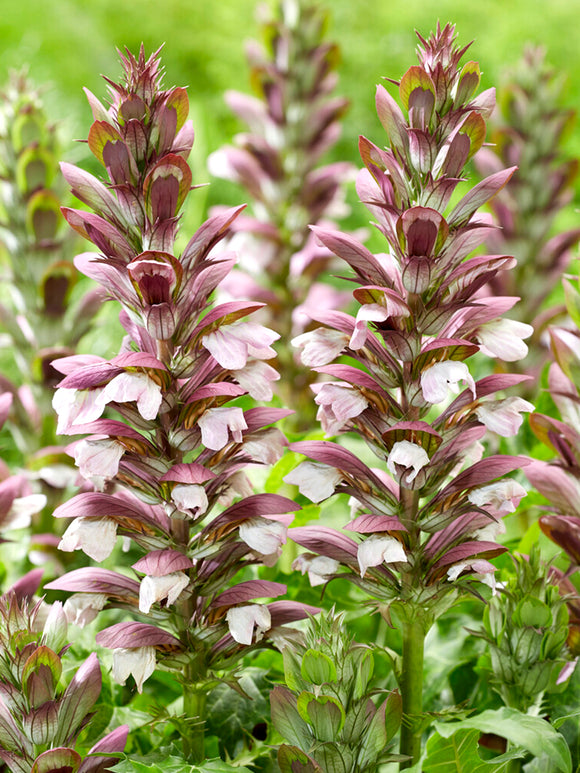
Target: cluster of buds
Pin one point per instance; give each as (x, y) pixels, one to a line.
(325, 711)
(40, 717)
(292, 123)
(526, 626)
(427, 520)
(39, 318)
(530, 134)
(170, 477)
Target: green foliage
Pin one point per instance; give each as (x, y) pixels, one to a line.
(458, 753)
(162, 762)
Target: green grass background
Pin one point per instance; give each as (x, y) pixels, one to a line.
(68, 43)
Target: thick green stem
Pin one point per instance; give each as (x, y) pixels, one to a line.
(194, 701)
(411, 684)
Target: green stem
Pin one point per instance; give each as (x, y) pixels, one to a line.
(411, 684)
(194, 701)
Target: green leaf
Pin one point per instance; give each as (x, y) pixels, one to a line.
(458, 753)
(318, 668)
(293, 760)
(532, 733)
(324, 713)
(286, 719)
(231, 716)
(157, 762)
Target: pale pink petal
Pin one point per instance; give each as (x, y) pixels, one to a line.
(262, 535)
(267, 446)
(320, 568)
(503, 338)
(256, 378)
(503, 496)
(319, 347)
(98, 459)
(503, 416)
(443, 377)
(216, 422)
(21, 511)
(134, 387)
(76, 406)
(82, 608)
(190, 496)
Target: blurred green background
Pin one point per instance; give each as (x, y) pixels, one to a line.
(68, 43)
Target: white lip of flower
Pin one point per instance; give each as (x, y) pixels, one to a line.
(490, 532)
(500, 495)
(82, 608)
(263, 535)
(243, 620)
(503, 416)
(216, 422)
(21, 510)
(407, 454)
(267, 447)
(96, 537)
(138, 661)
(237, 484)
(443, 377)
(76, 406)
(190, 496)
(481, 569)
(256, 377)
(369, 312)
(319, 568)
(137, 387)
(315, 480)
(153, 589)
(338, 403)
(378, 549)
(319, 347)
(98, 459)
(503, 338)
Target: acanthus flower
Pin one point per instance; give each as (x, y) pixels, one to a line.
(96, 537)
(248, 623)
(443, 377)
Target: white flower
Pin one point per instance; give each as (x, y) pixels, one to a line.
(237, 484)
(319, 347)
(338, 403)
(98, 460)
(153, 589)
(263, 535)
(267, 446)
(315, 480)
(138, 662)
(231, 345)
(378, 549)
(243, 620)
(444, 377)
(21, 510)
(408, 455)
(96, 537)
(76, 406)
(216, 422)
(490, 532)
(503, 496)
(369, 312)
(133, 387)
(319, 568)
(503, 416)
(480, 568)
(503, 338)
(82, 608)
(190, 496)
(256, 377)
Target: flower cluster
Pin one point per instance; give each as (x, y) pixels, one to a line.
(40, 718)
(427, 519)
(292, 123)
(170, 477)
(531, 134)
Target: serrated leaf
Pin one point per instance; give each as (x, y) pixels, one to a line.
(532, 733)
(458, 754)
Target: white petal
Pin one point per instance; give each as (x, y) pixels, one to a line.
(263, 535)
(241, 622)
(190, 496)
(138, 661)
(21, 510)
(503, 416)
(504, 496)
(442, 377)
(82, 608)
(153, 589)
(379, 549)
(409, 455)
(315, 480)
(503, 338)
(96, 537)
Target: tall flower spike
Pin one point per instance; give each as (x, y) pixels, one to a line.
(292, 122)
(415, 549)
(530, 132)
(39, 316)
(170, 475)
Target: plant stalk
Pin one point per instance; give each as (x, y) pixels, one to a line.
(194, 701)
(411, 684)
